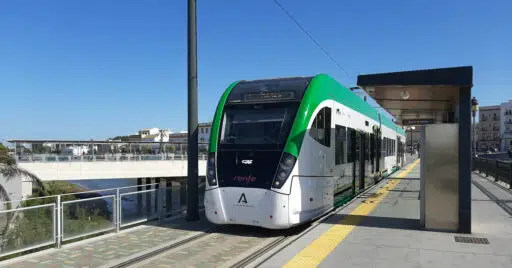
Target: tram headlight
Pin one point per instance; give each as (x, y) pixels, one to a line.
(210, 170)
(284, 169)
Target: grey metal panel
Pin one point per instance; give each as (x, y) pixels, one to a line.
(441, 177)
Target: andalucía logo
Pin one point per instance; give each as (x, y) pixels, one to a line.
(242, 199)
(242, 202)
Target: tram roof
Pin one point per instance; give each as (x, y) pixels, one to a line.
(420, 96)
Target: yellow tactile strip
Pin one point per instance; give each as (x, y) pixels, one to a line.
(319, 249)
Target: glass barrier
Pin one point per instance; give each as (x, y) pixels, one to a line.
(137, 207)
(27, 228)
(85, 217)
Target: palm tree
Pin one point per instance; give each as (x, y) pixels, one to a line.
(9, 170)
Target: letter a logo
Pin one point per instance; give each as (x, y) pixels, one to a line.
(242, 199)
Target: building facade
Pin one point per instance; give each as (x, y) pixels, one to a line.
(489, 128)
(506, 125)
(204, 130)
(148, 131)
(161, 135)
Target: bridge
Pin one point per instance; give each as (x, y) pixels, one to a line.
(87, 167)
(95, 159)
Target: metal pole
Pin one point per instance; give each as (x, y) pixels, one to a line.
(192, 173)
(59, 222)
(474, 108)
(474, 133)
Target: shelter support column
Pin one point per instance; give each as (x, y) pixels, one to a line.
(465, 160)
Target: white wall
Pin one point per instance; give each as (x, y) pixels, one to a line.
(17, 188)
(110, 169)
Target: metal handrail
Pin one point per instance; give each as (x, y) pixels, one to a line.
(160, 211)
(500, 170)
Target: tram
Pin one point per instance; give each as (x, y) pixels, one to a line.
(283, 150)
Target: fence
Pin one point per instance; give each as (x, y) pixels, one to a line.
(499, 170)
(102, 157)
(68, 217)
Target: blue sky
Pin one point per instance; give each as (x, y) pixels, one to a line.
(96, 69)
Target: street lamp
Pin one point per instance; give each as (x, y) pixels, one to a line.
(474, 109)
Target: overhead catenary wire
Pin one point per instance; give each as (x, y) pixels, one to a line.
(324, 50)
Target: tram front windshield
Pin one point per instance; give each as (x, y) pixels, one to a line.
(257, 124)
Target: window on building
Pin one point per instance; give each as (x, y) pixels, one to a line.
(321, 127)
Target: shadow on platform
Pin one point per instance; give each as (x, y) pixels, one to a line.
(496, 201)
(407, 179)
(376, 222)
(238, 230)
(404, 191)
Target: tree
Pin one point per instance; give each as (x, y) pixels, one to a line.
(33, 226)
(9, 170)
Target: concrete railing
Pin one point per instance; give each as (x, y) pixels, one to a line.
(87, 170)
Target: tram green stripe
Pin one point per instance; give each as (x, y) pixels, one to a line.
(214, 133)
(323, 87)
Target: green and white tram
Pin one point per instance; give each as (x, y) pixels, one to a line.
(285, 151)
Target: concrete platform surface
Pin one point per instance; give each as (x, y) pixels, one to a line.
(388, 234)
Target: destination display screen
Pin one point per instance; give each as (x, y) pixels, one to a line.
(266, 96)
(269, 90)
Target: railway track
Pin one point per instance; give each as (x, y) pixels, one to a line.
(244, 246)
(229, 245)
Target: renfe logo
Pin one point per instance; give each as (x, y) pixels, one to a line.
(244, 178)
(247, 161)
(242, 199)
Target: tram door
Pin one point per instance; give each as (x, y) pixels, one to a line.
(398, 152)
(363, 158)
(373, 153)
(355, 142)
(377, 152)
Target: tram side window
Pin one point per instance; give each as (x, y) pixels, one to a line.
(321, 127)
(350, 145)
(373, 147)
(386, 146)
(340, 144)
(367, 146)
(383, 147)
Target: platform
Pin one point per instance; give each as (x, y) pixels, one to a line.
(382, 229)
